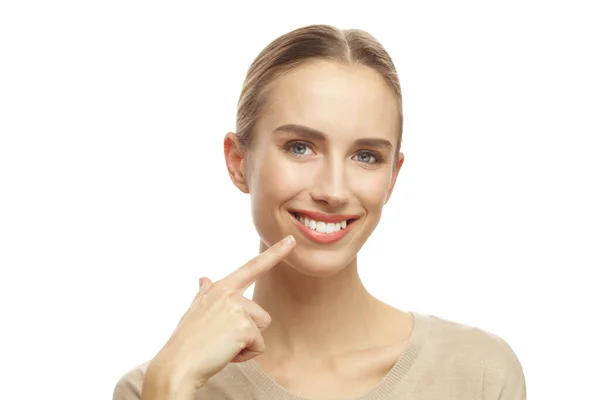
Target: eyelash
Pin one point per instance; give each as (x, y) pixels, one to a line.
(288, 147)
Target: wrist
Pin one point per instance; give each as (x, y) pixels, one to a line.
(164, 380)
(160, 382)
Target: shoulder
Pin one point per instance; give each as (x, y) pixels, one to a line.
(490, 355)
(129, 386)
(482, 344)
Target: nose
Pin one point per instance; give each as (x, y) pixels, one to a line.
(330, 185)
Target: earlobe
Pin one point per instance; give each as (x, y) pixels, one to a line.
(234, 159)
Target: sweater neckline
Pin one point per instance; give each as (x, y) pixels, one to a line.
(272, 390)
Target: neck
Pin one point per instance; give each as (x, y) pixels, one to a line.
(316, 315)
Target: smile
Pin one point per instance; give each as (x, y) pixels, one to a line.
(323, 228)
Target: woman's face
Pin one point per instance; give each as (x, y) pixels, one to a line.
(321, 166)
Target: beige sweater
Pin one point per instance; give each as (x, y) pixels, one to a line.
(443, 360)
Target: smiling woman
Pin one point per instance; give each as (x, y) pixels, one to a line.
(317, 148)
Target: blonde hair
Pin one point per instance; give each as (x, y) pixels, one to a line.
(314, 42)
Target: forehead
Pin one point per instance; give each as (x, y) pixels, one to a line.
(344, 101)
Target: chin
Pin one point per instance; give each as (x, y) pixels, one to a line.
(319, 263)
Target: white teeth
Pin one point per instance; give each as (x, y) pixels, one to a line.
(322, 227)
(330, 227)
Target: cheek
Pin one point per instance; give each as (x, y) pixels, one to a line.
(276, 180)
(371, 187)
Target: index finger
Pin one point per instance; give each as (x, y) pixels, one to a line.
(244, 276)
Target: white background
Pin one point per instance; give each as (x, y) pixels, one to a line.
(115, 197)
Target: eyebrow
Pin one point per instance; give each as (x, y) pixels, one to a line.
(314, 134)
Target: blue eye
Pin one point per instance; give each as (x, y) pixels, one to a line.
(367, 157)
(299, 149)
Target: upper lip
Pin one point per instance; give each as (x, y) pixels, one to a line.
(317, 216)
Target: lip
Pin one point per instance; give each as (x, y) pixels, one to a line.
(322, 238)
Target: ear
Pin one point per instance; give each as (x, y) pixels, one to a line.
(395, 175)
(234, 158)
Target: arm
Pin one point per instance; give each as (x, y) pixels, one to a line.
(148, 383)
(129, 387)
(503, 377)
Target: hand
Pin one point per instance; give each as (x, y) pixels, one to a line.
(220, 326)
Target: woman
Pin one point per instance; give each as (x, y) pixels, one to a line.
(317, 147)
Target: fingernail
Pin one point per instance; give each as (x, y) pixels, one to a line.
(290, 240)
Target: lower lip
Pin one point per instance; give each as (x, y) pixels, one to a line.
(322, 237)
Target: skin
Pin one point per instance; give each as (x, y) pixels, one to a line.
(326, 327)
